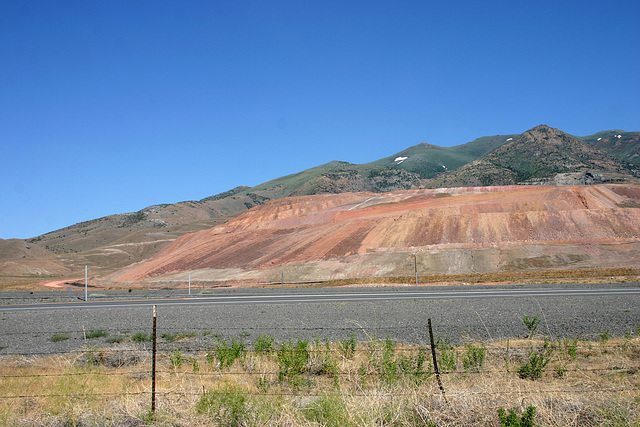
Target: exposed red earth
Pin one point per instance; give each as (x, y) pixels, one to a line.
(450, 231)
(61, 283)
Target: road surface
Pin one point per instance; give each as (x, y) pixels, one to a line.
(29, 322)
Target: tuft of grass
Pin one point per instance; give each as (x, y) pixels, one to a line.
(141, 337)
(226, 406)
(57, 337)
(328, 410)
(176, 357)
(571, 347)
(100, 333)
(474, 358)
(115, 340)
(560, 371)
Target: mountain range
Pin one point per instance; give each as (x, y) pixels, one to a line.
(542, 156)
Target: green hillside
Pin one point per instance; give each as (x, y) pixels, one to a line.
(622, 145)
(542, 155)
(429, 160)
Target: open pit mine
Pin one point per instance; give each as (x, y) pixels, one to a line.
(437, 231)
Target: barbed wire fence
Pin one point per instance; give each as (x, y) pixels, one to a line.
(160, 360)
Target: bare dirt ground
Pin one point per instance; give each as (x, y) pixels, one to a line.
(450, 231)
(60, 284)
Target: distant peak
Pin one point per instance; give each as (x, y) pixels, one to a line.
(337, 164)
(542, 127)
(429, 146)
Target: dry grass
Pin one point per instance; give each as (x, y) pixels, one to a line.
(585, 383)
(608, 275)
(551, 276)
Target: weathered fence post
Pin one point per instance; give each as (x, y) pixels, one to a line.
(153, 362)
(435, 361)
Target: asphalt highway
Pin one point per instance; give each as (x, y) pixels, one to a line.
(30, 323)
(279, 296)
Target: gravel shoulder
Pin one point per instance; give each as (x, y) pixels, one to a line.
(196, 327)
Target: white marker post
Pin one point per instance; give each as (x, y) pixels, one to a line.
(86, 283)
(189, 283)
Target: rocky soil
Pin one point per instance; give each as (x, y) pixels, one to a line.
(450, 231)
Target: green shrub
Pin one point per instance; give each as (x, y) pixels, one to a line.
(474, 358)
(226, 354)
(534, 367)
(264, 344)
(532, 324)
(168, 337)
(329, 365)
(329, 410)
(176, 358)
(571, 347)
(226, 406)
(348, 347)
(141, 337)
(195, 365)
(292, 359)
(447, 361)
(560, 371)
(512, 419)
(413, 369)
(389, 365)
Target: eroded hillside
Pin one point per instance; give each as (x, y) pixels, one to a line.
(454, 230)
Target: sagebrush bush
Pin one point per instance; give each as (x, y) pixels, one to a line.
(533, 368)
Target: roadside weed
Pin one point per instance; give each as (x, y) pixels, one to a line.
(176, 358)
(474, 358)
(263, 344)
(57, 337)
(292, 359)
(348, 347)
(226, 353)
(141, 337)
(512, 419)
(96, 334)
(533, 368)
(532, 324)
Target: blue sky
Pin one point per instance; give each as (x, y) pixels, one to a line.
(109, 107)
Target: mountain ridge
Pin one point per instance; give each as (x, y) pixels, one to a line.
(115, 241)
